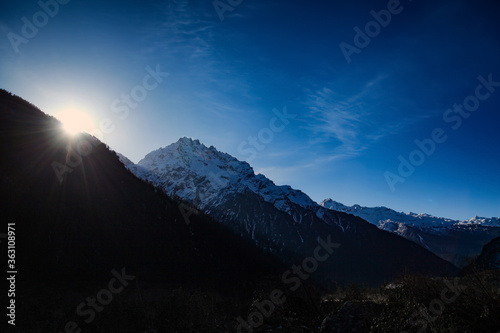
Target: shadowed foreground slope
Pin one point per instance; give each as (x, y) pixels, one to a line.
(70, 235)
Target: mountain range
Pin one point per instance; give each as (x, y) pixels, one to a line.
(70, 235)
(458, 242)
(279, 219)
(186, 218)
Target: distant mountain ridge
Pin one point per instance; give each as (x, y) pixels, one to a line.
(280, 219)
(377, 215)
(452, 240)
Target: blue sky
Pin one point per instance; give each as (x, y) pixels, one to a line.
(351, 120)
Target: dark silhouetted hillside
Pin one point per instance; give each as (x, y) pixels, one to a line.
(101, 217)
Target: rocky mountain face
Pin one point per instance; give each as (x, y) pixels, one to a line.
(279, 219)
(455, 241)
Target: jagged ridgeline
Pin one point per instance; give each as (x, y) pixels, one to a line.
(283, 220)
(101, 217)
(88, 215)
(186, 216)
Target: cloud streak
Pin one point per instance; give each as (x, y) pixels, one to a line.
(353, 122)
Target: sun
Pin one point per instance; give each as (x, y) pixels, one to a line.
(75, 121)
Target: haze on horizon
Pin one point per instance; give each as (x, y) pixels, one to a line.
(299, 90)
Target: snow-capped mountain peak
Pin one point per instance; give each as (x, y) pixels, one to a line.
(279, 219)
(192, 171)
(332, 204)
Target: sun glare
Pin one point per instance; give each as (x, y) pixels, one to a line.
(75, 122)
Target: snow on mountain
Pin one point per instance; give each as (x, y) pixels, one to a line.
(384, 217)
(219, 184)
(192, 171)
(280, 219)
(483, 221)
(452, 240)
(135, 169)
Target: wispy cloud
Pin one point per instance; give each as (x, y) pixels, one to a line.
(180, 30)
(352, 123)
(189, 40)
